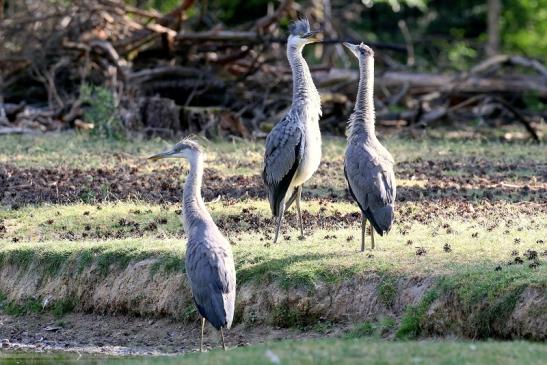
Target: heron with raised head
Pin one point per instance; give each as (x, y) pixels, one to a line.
(368, 166)
(209, 261)
(293, 147)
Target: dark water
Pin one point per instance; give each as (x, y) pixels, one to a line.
(53, 359)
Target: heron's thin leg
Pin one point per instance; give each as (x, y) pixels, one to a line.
(202, 329)
(279, 219)
(222, 335)
(363, 231)
(372, 236)
(298, 194)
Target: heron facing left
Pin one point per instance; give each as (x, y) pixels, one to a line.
(209, 261)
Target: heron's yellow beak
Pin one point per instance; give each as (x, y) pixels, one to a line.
(313, 36)
(161, 155)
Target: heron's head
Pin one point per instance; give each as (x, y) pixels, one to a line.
(186, 148)
(361, 51)
(300, 33)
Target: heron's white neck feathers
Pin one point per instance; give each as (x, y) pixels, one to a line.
(193, 207)
(361, 122)
(305, 94)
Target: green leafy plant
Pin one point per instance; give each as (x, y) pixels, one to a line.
(101, 110)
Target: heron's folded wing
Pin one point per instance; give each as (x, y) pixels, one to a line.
(212, 276)
(370, 178)
(279, 156)
(282, 157)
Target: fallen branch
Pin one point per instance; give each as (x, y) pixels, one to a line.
(263, 23)
(16, 130)
(519, 117)
(492, 62)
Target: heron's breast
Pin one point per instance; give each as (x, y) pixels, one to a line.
(311, 156)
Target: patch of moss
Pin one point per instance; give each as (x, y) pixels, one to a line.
(53, 261)
(64, 306)
(3, 299)
(189, 314)
(364, 329)
(28, 306)
(376, 329)
(119, 258)
(411, 323)
(490, 297)
(172, 264)
(287, 316)
(21, 257)
(387, 291)
(85, 258)
(167, 264)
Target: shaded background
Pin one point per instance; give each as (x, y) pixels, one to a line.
(218, 67)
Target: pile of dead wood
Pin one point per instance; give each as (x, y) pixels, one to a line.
(169, 76)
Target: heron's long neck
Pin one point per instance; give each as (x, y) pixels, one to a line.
(362, 120)
(193, 206)
(303, 87)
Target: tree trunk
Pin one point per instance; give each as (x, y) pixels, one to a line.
(494, 12)
(1, 9)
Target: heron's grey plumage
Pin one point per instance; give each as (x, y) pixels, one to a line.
(368, 166)
(299, 27)
(209, 261)
(293, 147)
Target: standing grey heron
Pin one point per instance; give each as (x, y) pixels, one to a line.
(368, 165)
(209, 262)
(293, 147)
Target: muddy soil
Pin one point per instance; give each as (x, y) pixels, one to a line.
(125, 335)
(478, 179)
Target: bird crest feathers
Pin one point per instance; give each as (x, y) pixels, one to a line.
(189, 142)
(299, 27)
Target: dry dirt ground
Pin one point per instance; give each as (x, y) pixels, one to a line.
(475, 179)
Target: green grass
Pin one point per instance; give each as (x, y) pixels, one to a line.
(242, 157)
(291, 262)
(374, 352)
(327, 351)
(411, 324)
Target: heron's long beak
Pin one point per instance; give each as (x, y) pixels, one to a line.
(313, 35)
(351, 47)
(164, 154)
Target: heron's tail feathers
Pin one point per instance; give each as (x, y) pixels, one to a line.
(220, 310)
(276, 200)
(381, 218)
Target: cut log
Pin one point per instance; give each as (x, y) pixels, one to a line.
(423, 83)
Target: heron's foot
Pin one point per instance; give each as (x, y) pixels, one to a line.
(302, 237)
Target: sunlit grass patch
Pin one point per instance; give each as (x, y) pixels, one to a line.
(355, 351)
(244, 157)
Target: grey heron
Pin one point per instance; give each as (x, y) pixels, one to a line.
(368, 166)
(209, 261)
(293, 147)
